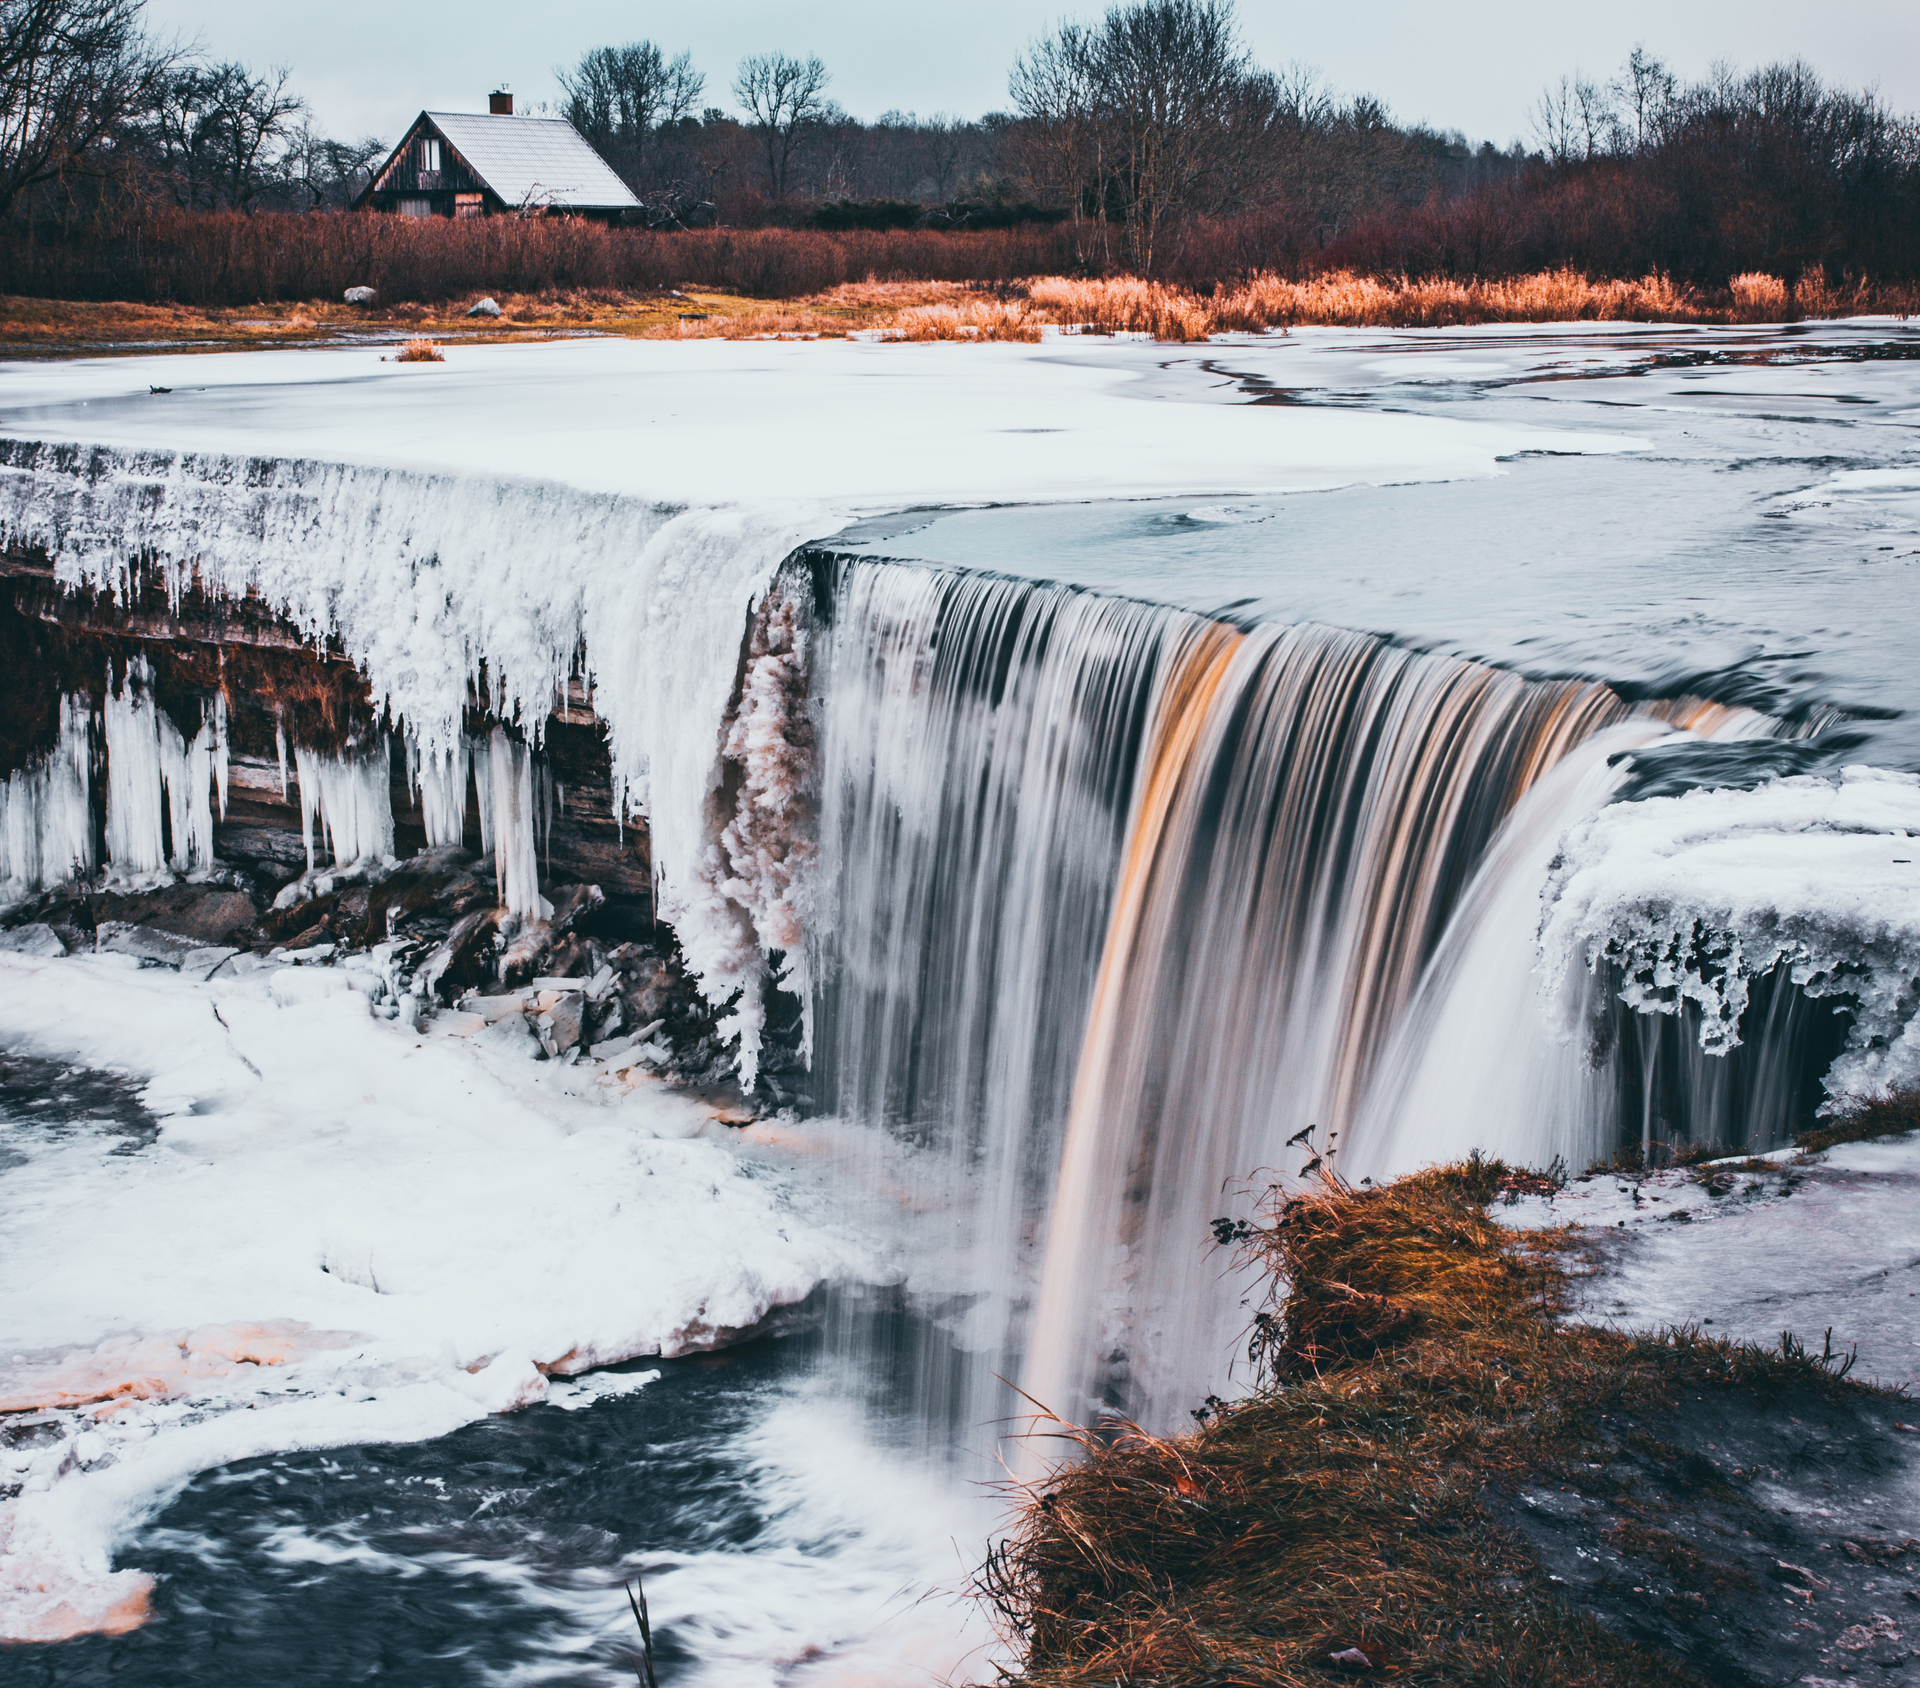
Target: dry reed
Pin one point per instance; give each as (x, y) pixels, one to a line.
(419, 350)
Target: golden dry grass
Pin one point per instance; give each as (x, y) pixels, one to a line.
(1411, 1360)
(419, 350)
(951, 310)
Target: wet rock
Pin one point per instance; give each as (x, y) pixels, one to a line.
(462, 957)
(572, 903)
(144, 943)
(205, 914)
(559, 1026)
(526, 953)
(298, 918)
(570, 958)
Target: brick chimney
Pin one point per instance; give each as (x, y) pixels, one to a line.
(500, 103)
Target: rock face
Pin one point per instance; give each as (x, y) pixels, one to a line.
(594, 980)
(206, 914)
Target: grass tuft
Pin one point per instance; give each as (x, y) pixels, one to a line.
(419, 351)
(1860, 1119)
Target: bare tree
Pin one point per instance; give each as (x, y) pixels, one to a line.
(619, 96)
(785, 100)
(1056, 89)
(72, 72)
(1647, 90)
(249, 114)
(1141, 109)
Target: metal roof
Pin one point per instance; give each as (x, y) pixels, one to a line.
(533, 160)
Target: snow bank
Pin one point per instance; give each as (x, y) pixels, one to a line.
(346, 1232)
(1695, 896)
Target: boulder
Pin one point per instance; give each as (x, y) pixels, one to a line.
(484, 308)
(559, 1027)
(462, 956)
(206, 914)
(359, 295)
(37, 939)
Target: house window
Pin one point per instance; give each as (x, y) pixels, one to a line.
(430, 155)
(414, 207)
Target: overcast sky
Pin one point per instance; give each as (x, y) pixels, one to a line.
(368, 65)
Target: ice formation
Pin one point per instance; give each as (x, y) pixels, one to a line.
(160, 788)
(1694, 897)
(503, 514)
(46, 813)
(351, 797)
(516, 865)
(440, 776)
(277, 1297)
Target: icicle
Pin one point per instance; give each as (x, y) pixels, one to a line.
(136, 835)
(351, 796)
(219, 714)
(515, 863)
(46, 816)
(158, 786)
(483, 791)
(280, 749)
(441, 778)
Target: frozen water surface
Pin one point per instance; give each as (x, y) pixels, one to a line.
(1763, 547)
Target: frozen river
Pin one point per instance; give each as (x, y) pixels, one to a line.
(1606, 515)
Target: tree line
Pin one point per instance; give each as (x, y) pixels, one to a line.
(1149, 135)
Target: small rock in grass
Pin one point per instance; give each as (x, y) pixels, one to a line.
(484, 307)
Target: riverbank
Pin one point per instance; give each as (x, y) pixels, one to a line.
(1020, 310)
(1443, 1478)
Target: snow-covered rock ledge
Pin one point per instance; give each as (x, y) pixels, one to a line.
(1694, 897)
(345, 1231)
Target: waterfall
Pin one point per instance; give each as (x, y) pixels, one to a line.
(1124, 912)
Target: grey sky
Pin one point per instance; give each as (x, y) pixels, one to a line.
(369, 67)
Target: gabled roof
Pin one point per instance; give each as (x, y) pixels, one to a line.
(533, 160)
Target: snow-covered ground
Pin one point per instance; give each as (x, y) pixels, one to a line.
(1816, 1244)
(346, 1232)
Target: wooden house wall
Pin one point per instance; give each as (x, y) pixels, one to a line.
(407, 174)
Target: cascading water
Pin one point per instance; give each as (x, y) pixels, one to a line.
(1125, 911)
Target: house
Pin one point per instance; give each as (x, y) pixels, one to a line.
(460, 164)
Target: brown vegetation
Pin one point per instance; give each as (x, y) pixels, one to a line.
(1348, 1516)
(1896, 1114)
(944, 310)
